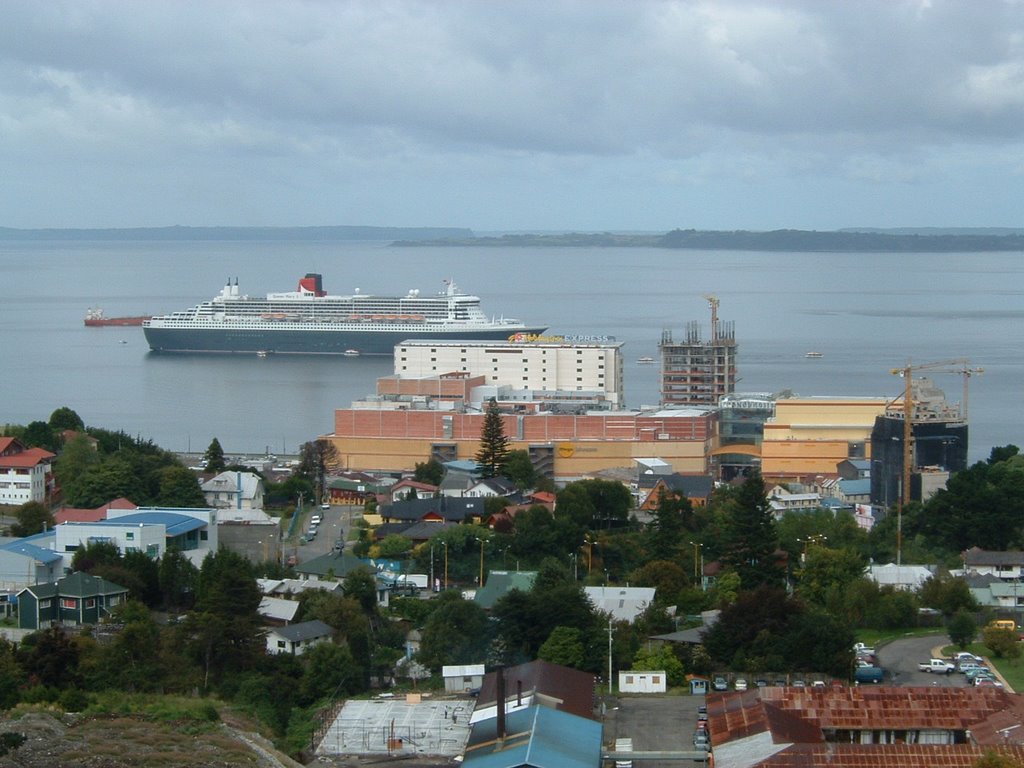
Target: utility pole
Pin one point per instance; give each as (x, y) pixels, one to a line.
(610, 688)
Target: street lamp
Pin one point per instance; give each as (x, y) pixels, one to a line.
(817, 538)
(445, 544)
(590, 553)
(698, 562)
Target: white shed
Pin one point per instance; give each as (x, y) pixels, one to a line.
(462, 678)
(634, 681)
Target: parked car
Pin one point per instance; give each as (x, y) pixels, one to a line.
(325, 506)
(720, 684)
(700, 739)
(740, 684)
(315, 520)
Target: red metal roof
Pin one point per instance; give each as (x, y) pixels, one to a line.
(30, 457)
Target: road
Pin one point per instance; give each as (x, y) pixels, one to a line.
(901, 657)
(337, 521)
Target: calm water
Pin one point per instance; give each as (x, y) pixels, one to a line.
(867, 313)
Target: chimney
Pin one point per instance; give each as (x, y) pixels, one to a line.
(499, 689)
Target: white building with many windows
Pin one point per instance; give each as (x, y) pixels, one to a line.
(557, 368)
(24, 472)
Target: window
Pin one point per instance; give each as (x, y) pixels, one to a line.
(130, 535)
(90, 602)
(46, 603)
(204, 535)
(629, 679)
(280, 643)
(69, 603)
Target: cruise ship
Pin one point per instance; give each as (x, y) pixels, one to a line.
(308, 321)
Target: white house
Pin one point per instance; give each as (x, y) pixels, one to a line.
(296, 639)
(462, 678)
(623, 603)
(25, 473)
(1006, 566)
(234, 490)
(908, 577)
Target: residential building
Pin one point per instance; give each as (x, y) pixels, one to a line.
(1006, 566)
(462, 678)
(864, 727)
(25, 473)
(297, 639)
(699, 371)
(234, 490)
(71, 601)
(623, 603)
(695, 488)
(401, 490)
(534, 683)
(782, 500)
(903, 576)
(556, 370)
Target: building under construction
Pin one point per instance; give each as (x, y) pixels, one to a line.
(938, 445)
(698, 371)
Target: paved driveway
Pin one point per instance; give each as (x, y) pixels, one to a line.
(901, 657)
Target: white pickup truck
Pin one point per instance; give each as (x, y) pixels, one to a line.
(939, 666)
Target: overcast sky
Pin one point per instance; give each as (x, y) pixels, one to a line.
(512, 115)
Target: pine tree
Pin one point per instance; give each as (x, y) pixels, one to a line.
(493, 451)
(750, 536)
(214, 457)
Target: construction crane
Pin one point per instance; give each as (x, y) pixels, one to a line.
(712, 301)
(960, 366)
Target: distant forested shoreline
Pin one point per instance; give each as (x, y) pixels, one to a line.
(788, 240)
(784, 240)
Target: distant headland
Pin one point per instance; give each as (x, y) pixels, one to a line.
(790, 240)
(862, 240)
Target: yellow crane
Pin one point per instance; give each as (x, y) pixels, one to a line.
(960, 366)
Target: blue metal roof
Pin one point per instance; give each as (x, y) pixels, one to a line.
(859, 487)
(540, 737)
(28, 549)
(175, 524)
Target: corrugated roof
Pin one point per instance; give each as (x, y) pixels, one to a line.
(306, 630)
(564, 688)
(537, 737)
(500, 583)
(175, 524)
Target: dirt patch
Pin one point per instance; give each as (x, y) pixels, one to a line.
(120, 742)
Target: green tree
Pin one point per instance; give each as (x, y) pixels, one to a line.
(113, 478)
(1002, 642)
(331, 671)
(65, 418)
(827, 572)
(962, 629)
(11, 676)
(177, 579)
(50, 657)
(316, 460)
(32, 517)
(430, 471)
(76, 458)
(214, 457)
(672, 519)
(564, 646)
(519, 469)
(394, 546)
(179, 488)
(493, 451)
(667, 577)
(947, 594)
(39, 434)
(457, 632)
(95, 554)
(750, 540)
(660, 658)
(592, 504)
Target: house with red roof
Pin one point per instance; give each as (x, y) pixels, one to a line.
(26, 474)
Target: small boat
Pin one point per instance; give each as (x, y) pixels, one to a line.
(814, 354)
(351, 353)
(644, 360)
(261, 353)
(123, 341)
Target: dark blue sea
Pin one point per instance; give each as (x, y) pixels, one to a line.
(866, 314)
